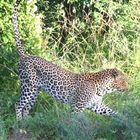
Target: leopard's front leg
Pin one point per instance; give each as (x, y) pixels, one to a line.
(103, 110)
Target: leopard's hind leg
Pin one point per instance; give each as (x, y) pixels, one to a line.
(29, 91)
(27, 99)
(31, 101)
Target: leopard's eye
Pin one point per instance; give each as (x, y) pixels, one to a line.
(114, 74)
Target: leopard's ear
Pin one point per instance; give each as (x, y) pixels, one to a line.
(114, 73)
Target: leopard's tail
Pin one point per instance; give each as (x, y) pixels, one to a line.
(20, 48)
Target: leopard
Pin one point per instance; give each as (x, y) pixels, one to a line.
(78, 90)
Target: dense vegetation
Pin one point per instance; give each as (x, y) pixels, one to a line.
(81, 36)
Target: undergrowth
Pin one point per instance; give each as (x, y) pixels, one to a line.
(53, 121)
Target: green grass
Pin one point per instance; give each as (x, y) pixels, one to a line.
(51, 120)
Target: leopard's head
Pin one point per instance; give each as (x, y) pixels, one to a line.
(119, 81)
